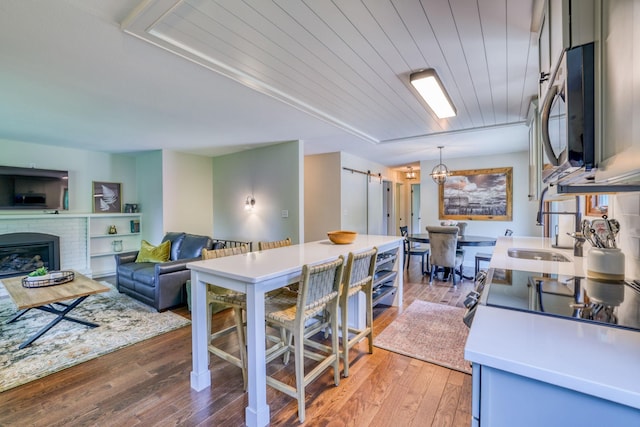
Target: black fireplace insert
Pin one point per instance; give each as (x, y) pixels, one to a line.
(22, 253)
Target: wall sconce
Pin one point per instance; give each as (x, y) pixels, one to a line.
(440, 172)
(410, 174)
(249, 203)
(432, 91)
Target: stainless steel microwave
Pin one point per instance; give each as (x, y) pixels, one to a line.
(567, 116)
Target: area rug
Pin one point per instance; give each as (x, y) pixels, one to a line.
(123, 321)
(430, 332)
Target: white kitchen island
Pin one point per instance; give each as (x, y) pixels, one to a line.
(255, 274)
(531, 369)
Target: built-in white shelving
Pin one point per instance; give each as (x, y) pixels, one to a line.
(103, 244)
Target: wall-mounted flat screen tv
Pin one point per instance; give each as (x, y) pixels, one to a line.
(31, 188)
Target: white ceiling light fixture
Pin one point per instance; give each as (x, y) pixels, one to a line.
(440, 172)
(431, 89)
(410, 174)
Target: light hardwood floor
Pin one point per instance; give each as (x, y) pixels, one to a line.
(147, 384)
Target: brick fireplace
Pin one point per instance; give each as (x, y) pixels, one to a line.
(71, 230)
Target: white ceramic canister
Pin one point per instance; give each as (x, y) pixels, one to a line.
(604, 291)
(605, 264)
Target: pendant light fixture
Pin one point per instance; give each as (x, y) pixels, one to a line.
(440, 173)
(410, 174)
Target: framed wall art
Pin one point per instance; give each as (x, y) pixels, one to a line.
(107, 197)
(478, 194)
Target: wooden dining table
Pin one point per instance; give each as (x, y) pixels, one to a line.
(464, 240)
(255, 274)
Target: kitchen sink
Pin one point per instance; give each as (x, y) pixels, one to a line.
(537, 254)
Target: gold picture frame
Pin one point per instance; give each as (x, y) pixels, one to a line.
(107, 197)
(477, 194)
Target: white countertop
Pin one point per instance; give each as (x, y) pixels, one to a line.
(259, 266)
(597, 360)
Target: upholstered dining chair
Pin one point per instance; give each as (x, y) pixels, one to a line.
(317, 300)
(218, 299)
(462, 228)
(358, 276)
(274, 244)
(443, 241)
(422, 250)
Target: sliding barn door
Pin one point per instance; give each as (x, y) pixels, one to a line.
(362, 203)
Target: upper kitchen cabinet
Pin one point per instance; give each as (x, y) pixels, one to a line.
(564, 24)
(620, 92)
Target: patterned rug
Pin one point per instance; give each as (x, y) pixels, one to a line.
(123, 321)
(430, 332)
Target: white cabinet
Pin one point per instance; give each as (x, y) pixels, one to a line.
(501, 398)
(565, 23)
(103, 244)
(544, 54)
(620, 92)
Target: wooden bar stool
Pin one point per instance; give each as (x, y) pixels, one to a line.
(312, 309)
(358, 277)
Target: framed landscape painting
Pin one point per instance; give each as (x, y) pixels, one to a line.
(478, 194)
(107, 197)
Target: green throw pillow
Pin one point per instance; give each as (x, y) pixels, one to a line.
(150, 253)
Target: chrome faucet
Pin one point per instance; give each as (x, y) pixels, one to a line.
(577, 248)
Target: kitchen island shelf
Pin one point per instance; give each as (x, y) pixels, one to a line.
(384, 279)
(381, 292)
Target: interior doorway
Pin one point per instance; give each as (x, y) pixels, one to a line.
(388, 211)
(400, 204)
(415, 209)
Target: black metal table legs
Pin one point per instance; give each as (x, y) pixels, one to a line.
(61, 315)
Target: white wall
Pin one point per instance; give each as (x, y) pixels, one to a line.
(187, 188)
(273, 175)
(149, 181)
(322, 189)
(84, 167)
(626, 209)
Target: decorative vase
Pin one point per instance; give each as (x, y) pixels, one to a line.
(117, 245)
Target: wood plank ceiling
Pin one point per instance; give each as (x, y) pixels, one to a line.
(348, 62)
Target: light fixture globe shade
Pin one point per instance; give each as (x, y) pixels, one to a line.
(439, 174)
